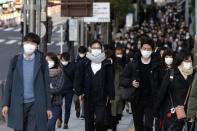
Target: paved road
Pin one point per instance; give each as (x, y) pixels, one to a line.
(10, 45)
(78, 125)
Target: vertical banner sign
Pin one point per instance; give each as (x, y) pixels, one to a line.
(73, 30)
(148, 2)
(129, 20)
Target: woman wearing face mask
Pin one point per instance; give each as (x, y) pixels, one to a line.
(167, 64)
(167, 61)
(94, 84)
(56, 85)
(173, 93)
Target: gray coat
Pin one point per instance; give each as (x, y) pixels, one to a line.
(14, 98)
(117, 104)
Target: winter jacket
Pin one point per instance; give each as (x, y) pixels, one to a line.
(14, 98)
(131, 73)
(69, 72)
(58, 84)
(83, 80)
(192, 102)
(177, 89)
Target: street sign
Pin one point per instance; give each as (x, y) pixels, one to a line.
(43, 30)
(101, 13)
(73, 30)
(76, 8)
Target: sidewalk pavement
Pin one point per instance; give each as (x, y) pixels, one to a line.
(76, 124)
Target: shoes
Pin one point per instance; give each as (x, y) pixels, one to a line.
(59, 123)
(65, 126)
(77, 114)
(82, 117)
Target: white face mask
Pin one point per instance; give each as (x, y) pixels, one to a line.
(119, 56)
(146, 54)
(127, 51)
(96, 52)
(187, 65)
(168, 61)
(81, 55)
(51, 64)
(29, 49)
(65, 63)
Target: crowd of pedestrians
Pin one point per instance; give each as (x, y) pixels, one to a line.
(147, 70)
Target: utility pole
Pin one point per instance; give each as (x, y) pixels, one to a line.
(187, 11)
(35, 12)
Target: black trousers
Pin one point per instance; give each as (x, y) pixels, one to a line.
(94, 116)
(29, 117)
(142, 115)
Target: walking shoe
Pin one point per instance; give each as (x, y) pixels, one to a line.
(78, 114)
(59, 123)
(65, 126)
(82, 117)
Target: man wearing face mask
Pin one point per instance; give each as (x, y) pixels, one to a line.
(119, 57)
(26, 95)
(67, 92)
(79, 105)
(94, 83)
(143, 75)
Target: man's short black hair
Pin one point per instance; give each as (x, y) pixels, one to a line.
(65, 55)
(82, 49)
(96, 41)
(32, 37)
(147, 40)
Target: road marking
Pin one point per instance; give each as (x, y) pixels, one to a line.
(14, 38)
(19, 43)
(17, 30)
(8, 29)
(52, 42)
(10, 42)
(59, 44)
(55, 28)
(2, 40)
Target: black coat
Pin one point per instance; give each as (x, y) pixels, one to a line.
(131, 73)
(178, 89)
(83, 81)
(69, 73)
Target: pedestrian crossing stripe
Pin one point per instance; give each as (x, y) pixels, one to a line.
(17, 30)
(59, 44)
(54, 29)
(58, 31)
(18, 42)
(10, 42)
(2, 40)
(8, 29)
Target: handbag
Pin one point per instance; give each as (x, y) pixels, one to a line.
(127, 94)
(180, 109)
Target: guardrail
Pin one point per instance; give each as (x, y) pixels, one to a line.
(2, 85)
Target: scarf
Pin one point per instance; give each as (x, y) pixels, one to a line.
(55, 72)
(185, 72)
(96, 59)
